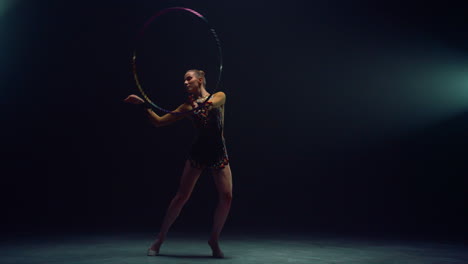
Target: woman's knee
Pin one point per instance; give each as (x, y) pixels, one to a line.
(226, 196)
(182, 197)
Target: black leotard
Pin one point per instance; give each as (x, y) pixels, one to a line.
(208, 148)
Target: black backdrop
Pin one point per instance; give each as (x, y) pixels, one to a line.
(343, 116)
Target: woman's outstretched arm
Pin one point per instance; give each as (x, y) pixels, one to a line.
(169, 118)
(157, 120)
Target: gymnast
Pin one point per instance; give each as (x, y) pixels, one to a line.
(206, 111)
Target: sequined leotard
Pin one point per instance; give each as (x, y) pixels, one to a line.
(208, 148)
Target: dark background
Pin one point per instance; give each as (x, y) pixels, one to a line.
(342, 116)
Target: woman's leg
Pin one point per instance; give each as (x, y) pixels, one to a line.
(187, 182)
(223, 181)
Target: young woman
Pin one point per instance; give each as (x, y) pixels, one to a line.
(207, 151)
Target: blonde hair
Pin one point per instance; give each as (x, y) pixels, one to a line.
(199, 74)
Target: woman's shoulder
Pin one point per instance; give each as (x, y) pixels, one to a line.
(219, 94)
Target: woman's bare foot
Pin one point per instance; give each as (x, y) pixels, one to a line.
(153, 250)
(217, 253)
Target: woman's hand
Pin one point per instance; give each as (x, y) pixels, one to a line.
(133, 99)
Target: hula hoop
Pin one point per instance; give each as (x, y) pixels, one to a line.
(141, 33)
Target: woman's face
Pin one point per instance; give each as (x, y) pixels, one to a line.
(192, 83)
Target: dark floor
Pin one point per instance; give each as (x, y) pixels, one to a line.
(272, 247)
